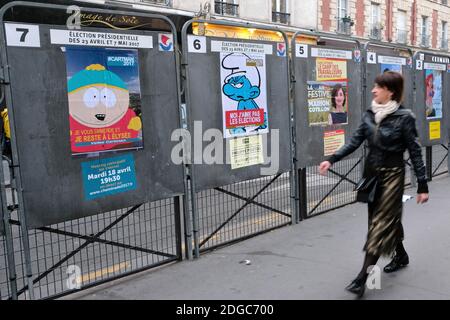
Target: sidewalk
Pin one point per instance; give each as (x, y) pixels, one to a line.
(315, 259)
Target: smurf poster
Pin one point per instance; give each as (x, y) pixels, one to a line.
(104, 99)
(244, 97)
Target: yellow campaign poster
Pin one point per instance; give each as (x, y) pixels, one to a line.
(331, 69)
(246, 151)
(332, 141)
(435, 130)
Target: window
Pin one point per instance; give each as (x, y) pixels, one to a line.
(226, 7)
(425, 39)
(280, 11)
(401, 26)
(163, 2)
(375, 22)
(343, 19)
(444, 38)
(444, 2)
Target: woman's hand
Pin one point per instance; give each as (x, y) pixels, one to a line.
(323, 167)
(422, 197)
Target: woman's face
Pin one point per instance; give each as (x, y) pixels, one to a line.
(381, 95)
(339, 98)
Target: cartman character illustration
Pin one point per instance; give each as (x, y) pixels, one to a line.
(243, 85)
(100, 117)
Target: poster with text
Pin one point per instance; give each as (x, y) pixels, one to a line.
(244, 97)
(327, 103)
(331, 69)
(333, 141)
(104, 99)
(246, 151)
(435, 130)
(105, 177)
(433, 94)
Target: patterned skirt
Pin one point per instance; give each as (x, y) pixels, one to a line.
(385, 213)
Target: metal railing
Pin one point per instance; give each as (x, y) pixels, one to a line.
(79, 254)
(343, 26)
(325, 193)
(235, 212)
(375, 31)
(160, 2)
(425, 40)
(281, 17)
(402, 36)
(226, 9)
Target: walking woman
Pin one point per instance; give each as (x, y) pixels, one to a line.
(389, 129)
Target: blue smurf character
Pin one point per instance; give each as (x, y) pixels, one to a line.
(239, 85)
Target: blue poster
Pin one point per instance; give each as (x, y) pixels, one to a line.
(391, 67)
(105, 177)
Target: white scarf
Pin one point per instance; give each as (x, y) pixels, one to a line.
(383, 110)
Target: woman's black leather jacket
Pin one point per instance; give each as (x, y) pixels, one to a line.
(387, 143)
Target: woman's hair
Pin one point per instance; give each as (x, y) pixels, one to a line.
(429, 79)
(392, 81)
(334, 93)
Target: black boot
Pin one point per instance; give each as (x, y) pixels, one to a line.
(399, 261)
(357, 286)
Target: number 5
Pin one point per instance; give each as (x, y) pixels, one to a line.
(24, 33)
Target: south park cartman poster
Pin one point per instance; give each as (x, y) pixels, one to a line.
(104, 100)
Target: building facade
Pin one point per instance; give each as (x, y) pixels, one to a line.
(416, 23)
(288, 14)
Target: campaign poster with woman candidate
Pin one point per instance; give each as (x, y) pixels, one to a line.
(104, 99)
(327, 102)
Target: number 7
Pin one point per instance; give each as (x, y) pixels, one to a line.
(24, 34)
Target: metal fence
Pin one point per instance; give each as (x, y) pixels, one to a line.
(439, 160)
(5, 290)
(335, 190)
(235, 212)
(82, 253)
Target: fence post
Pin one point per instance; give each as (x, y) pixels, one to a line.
(8, 234)
(429, 163)
(448, 157)
(303, 196)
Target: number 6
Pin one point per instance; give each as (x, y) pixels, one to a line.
(197, 44)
